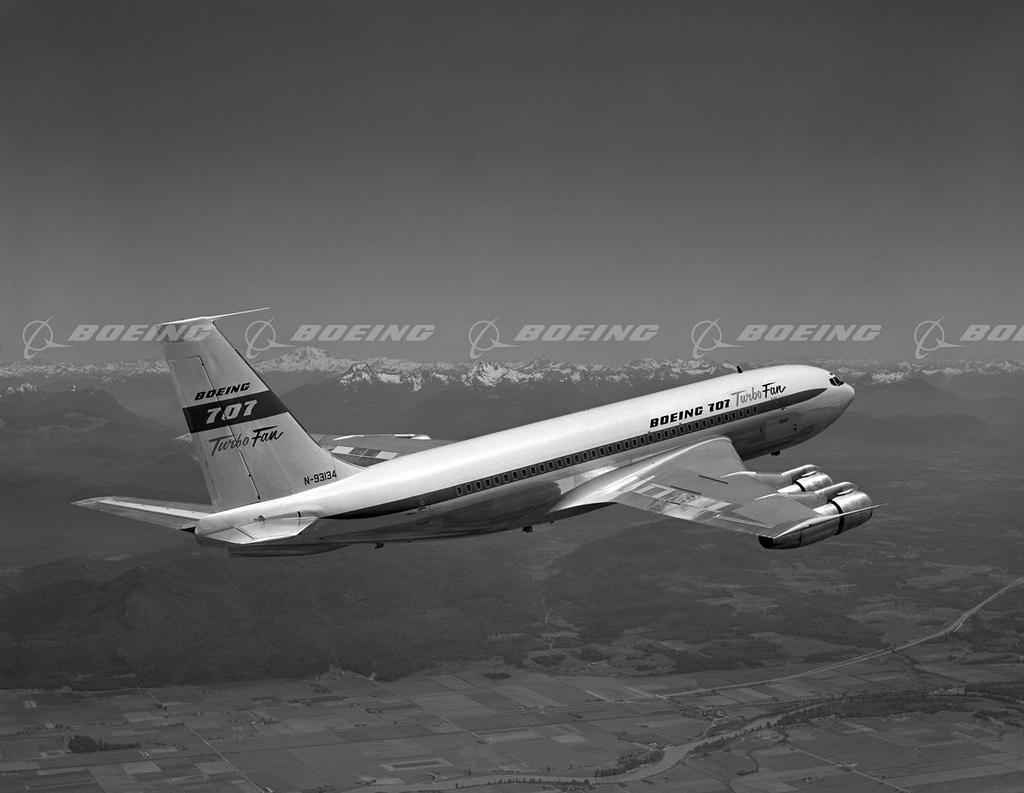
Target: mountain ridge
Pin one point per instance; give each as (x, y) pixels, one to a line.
(315, 360)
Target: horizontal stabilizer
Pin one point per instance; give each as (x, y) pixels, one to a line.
(172, 514)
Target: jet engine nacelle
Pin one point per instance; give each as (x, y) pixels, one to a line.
(808, 483)
(852, 508)
(819, 498)
(783, 480)
(842, 512)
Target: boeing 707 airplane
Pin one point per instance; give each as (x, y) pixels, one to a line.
(278, 490)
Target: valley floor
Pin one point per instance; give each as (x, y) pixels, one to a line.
(912, 721)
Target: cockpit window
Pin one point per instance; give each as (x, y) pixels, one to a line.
(834, 380)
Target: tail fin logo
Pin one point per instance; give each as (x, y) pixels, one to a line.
(213, 393)
(259, 435)
(248, 407)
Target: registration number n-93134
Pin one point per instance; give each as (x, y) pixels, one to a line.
(320, 478)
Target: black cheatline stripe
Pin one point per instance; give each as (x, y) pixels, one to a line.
(449, 493)
(225, 413)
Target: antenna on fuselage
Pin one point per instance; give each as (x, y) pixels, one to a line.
(736, 366)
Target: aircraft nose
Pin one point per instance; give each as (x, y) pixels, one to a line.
(848, 394)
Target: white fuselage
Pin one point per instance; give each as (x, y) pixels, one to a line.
(512, 478)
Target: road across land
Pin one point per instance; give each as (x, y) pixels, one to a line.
(953, 627)
(676, 754)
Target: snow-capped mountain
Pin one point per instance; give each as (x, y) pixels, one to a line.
(539, 370)
(416, 375)
(304, 359)
(30, 371)
(19, 390)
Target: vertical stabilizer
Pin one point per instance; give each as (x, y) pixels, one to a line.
(248, 444)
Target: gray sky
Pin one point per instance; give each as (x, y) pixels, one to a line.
(548, 162)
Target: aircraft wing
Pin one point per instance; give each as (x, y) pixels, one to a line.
(367, 450)
(172, 514)
(707, 483)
